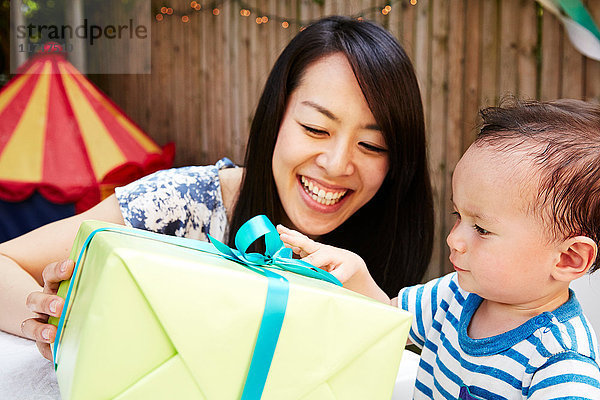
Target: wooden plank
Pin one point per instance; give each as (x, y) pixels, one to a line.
(473, 58)
(205, 83)
(572, 71)
(509, 29)
(592, 67)
(262, 58)
(179, 86)
(455, 121)
(330, 7)
(395, 20)
(253, 63)
(182, 85)
(376, 14)
(407, 33)
(156, 81)
(364, 5)
(271, 29)
(165, 104)
(242, 69)
(489, 52)
(231, 110)
(193, 92)
(550, 85)
(422, 55)
(438, 127)
(306, 12)
(352, 7)
(527, 48)
(220, 134)
(212, 96)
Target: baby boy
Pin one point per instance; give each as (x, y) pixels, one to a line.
(505, 325)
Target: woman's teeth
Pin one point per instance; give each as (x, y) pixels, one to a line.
(321, 195)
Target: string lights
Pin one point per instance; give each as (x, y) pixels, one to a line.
(261, 17)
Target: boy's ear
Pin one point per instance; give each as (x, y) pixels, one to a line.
(577, 256)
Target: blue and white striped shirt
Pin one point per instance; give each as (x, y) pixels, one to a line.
(551, 356)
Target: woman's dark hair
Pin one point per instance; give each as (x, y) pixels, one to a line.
(393, 232)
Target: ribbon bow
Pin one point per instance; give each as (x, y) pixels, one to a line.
(276, 256)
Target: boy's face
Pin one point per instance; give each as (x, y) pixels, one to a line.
(500, 251)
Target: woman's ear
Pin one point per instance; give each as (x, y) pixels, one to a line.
(577, 256)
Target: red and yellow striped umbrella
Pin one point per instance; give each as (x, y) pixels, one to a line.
(62, 137)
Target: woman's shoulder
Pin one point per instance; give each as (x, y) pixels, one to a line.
(231, 181)
(199, 177)
(181, 201)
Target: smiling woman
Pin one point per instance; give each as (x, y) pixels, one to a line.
(341, 115)
(336, 150)
(329, 158)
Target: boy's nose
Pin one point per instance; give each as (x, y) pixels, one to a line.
(454, 240)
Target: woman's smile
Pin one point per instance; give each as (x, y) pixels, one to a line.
(322, 197)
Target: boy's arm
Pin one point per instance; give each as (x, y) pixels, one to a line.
(348, 267)
(566, 375)
(345, 265)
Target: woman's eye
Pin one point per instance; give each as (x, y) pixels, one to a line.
(480, 230)
(314, 131)
(373, 148)
(456, 214)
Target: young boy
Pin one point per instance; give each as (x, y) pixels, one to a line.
(505, 325)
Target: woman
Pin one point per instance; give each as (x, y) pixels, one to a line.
(336, 150)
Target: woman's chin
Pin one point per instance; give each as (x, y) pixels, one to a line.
(314, 224)
(314, 217)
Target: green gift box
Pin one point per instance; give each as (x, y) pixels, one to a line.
(149, 317)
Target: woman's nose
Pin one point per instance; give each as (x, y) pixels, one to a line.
(336, 159)
(455, 240)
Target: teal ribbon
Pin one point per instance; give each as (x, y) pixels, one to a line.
(276, 256)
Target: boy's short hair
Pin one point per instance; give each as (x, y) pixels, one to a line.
(563, 139)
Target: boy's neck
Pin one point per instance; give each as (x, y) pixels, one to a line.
(493, 318)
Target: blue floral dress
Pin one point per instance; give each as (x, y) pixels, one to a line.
(180, 202)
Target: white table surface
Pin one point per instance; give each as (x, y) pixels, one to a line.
(26, 375)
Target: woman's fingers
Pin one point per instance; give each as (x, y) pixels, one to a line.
(44, 348)
(55, 273)
(42, 333)
(38, 330)
(45, 304)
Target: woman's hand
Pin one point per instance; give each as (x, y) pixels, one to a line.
(46, 304)
(345, 265)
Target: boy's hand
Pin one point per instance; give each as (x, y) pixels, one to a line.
(342, 264)
(345, 265)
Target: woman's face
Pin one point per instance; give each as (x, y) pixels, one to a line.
(330, 157)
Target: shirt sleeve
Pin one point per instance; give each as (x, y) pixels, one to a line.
(180, 202)
(566, 375)
(424, 302)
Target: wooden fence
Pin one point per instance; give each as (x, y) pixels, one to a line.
(207, 73)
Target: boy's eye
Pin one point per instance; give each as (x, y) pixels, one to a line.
(373, 148)
(314, 131)
(480, 230)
